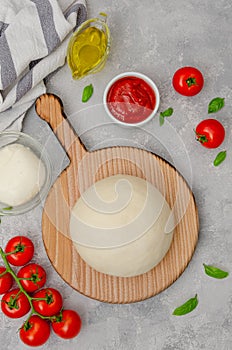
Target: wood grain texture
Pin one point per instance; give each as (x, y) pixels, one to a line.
(86, 168)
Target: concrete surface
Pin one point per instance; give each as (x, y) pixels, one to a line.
(155, 38)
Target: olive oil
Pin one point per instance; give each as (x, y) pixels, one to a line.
(88, 49)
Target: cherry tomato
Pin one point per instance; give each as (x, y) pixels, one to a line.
(51, 303)
(35, 331)
(23, 249)
(32, 277)
(6, 280)
(188, 81)
(210, 133)
(67, 324)
(15, 304)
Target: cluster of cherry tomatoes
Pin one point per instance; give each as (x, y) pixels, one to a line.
(45, 304)
(189, 81)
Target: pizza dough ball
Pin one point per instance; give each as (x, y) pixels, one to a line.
(118, 226)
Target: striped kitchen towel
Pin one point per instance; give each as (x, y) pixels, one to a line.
(33, 41)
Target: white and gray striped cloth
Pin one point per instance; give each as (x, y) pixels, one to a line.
(33, 42)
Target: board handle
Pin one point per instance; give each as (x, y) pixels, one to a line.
(49, 107)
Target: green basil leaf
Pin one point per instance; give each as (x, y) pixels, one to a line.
(214, 272)
(5, 209)
(215, 105)
(87, 93)
(167, 113)
(161, 119)
(8, 208)
(187, 307)
(221, 156)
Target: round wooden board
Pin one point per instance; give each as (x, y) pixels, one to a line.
(86, 168)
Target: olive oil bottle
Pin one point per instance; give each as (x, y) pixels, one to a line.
(89, 47)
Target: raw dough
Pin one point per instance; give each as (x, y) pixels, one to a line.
(118, 224)
(21, 174)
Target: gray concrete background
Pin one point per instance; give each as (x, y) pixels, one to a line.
(155, 38)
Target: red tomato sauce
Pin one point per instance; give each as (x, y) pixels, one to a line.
(131, 100)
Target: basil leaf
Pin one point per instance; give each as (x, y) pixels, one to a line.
(215, 105)
(221, 156)
(214, 272)
(7, 208)
(187, 307)
(87, 93)
(167, 113)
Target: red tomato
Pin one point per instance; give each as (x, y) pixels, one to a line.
(23, 249)
(32, 277)
(188, 81)
(67, 324)
(35, 331)
(210, 133)
(6, 280)
(15, 304)
(51, 303)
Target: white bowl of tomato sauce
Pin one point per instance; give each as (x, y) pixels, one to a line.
(131, 99)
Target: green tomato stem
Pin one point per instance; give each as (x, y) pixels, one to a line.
(200, 138)
(27, 320)
(3, 273)
(45, 299)
(28, 279)
(13, 300)
(13, 252)
(191, 81)
(17, 280)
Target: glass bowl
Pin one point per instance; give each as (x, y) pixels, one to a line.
(92, 67)
(9, 138)
(127, 105)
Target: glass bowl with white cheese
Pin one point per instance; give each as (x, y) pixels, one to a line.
(25, 173)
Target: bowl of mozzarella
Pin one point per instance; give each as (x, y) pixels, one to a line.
(25, 173)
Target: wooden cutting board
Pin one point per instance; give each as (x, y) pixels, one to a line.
(88, 167)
